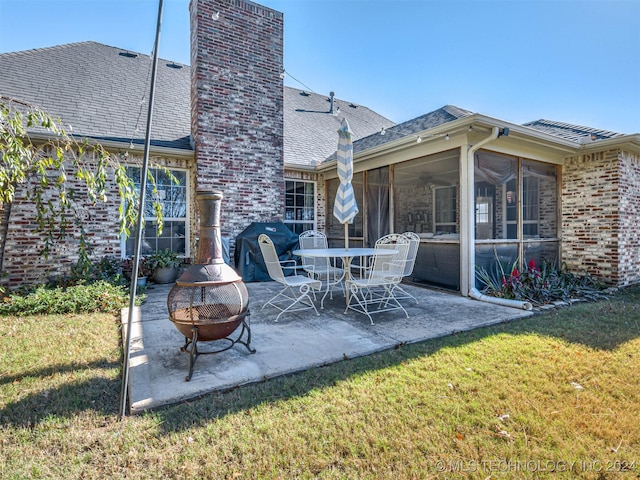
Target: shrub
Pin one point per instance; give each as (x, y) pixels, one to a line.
(164, 259)
(100, 296)
(85, 272)
(538, 285)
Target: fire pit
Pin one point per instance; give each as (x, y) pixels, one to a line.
(210, 301)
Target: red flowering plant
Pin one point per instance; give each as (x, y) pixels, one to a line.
(536, 284)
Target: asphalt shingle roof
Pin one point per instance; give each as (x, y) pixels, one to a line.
(574, 133)
(310, 130)
(102, 91)
(443, 115)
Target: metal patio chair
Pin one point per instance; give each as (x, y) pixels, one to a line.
(320, 268)
(414, 244)
(287, 300)
(373, 292)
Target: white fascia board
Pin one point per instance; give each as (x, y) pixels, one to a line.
(524, 139)
(153, 150)
(531, 134)
(409, 142)
(299, 167)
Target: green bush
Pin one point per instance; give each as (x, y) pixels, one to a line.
(164, 259)
(85, 272)
(100, 296)
(537, 284)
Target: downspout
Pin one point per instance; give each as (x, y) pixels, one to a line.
(470, 244)
(475, 294)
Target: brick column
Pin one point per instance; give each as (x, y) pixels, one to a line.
(237, 108)
(591, 215)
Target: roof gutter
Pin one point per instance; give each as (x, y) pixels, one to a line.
(625, 142)
(470, 244)
(301, 168)
(111, 145)
(399, 143)
(563, 146)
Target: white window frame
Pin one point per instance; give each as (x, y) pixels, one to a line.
(187, 233)
(484, 215)
(288, 220)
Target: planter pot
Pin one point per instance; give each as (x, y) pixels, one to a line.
(142, 281)
(165, 275)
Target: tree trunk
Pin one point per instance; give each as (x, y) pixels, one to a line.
(5, 214)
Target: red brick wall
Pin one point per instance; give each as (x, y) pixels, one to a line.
(601, 216)
(24, 265)
(237, 108)
(22, 262)
(629, 218)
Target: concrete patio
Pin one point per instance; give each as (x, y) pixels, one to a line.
(299, 341)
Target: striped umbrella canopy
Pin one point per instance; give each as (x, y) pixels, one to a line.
(345, 207)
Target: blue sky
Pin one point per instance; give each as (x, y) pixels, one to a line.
(574, 61)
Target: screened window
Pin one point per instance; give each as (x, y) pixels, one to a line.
(425, 201)
(415, 183)
(524, 195)
(377, 191)
(539, 200)
(529, 197)
(173, 199)
(300, 214)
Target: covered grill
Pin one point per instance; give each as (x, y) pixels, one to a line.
(210, 301)
(248, 258)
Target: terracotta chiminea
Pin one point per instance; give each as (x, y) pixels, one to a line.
(209, 301)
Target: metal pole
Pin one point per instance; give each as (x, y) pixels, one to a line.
(136, 256)
(346, 235)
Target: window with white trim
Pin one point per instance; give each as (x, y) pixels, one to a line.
(300, 205)
(173, 198)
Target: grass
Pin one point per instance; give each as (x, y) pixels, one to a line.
(558, 391)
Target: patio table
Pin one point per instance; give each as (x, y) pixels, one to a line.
(346, 255)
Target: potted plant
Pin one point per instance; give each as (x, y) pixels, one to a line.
(143, 270)
(164, 265)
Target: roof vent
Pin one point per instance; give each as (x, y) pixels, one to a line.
(128, 54)
(353, 106)
(304, 94)
(174, 65)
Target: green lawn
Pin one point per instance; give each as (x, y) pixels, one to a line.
(557, 394)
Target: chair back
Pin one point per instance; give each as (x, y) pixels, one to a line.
(271, 259)
(310, 239)
(414, 244)
(392, 266)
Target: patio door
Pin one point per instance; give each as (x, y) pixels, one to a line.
(377, 208)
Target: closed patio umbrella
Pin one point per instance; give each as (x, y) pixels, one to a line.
(345, 207)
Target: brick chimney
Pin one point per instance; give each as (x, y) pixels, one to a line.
(236, 108)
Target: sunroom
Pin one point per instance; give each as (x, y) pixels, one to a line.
(481, 194)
